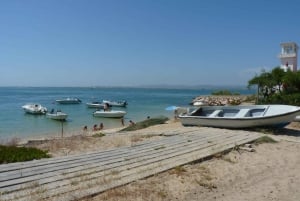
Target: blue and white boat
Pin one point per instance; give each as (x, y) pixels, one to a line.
(242, 116)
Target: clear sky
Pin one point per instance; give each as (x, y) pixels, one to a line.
(142, 42)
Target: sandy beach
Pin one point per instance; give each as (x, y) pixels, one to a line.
(271, 172)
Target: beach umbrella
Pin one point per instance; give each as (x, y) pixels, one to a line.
(171, 108)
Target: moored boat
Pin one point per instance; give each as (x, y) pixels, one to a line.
(109, 114)
(69, 101)
(95, 104)
(34, 108)
(116, 103)
(58, 115)
(243, 116)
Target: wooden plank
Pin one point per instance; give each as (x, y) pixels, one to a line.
(119, 152)
(39, 173)
(174, 150)
(106, 161)
(144, 171)
(23, 165)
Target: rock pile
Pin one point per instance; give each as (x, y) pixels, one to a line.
(218, 100)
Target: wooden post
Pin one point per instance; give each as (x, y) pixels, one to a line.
(62, 129)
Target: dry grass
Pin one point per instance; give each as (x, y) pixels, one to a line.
(132, 192)
(164, 186)
(10, 142)
(63, 145)
(87, 143)
(206, 178)
(179, 171)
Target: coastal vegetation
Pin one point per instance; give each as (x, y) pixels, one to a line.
(264, 139)
(146, 123)
(277, 87)
(224, 93)
(11, 154)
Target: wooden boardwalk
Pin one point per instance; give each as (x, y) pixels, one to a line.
(79, 176)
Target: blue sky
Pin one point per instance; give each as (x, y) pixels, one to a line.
(142, 42)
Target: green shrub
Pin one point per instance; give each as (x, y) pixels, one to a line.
(146, 123)
(264, 139)
(286, 99)
(224, 93)
(11, 154)
(98, 135)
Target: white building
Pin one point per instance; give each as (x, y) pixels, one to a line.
(288, 56)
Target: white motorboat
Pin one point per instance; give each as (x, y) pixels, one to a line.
(34, 108)
(95, 104)
(58, 115)
(109, 114)
(116, 103)
(242, 116)
(69, 101)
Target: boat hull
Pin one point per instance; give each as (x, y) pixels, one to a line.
(115, 103)
(95, 105)
(57, 116)
(109, 114)
(69, 101)
(34, 109)
(236, 121)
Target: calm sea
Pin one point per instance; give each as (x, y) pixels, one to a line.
(142, 102)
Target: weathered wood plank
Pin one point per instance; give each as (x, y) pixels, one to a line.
(84, 159)
(133, 163)
(118, 159)
(23, 165)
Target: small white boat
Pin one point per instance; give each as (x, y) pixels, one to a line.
(58, 115)
(34, 108)
(243, 116)
(116, 103)
(95, 104)
(69, 101)
(109, 114)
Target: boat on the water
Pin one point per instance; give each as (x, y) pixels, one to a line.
(69, 101)
(95, 104)
(34, 108)
(57, 115)
(242, 116)
(109, 113)
(115, 103)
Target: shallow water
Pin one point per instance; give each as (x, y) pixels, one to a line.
(142, 102)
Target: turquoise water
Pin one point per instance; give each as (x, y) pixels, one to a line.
(142, 102)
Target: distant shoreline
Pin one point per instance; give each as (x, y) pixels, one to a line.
(192, 87)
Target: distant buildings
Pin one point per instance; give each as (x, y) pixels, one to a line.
(288, 56)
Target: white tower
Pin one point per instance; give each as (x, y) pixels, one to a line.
(288, 56)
